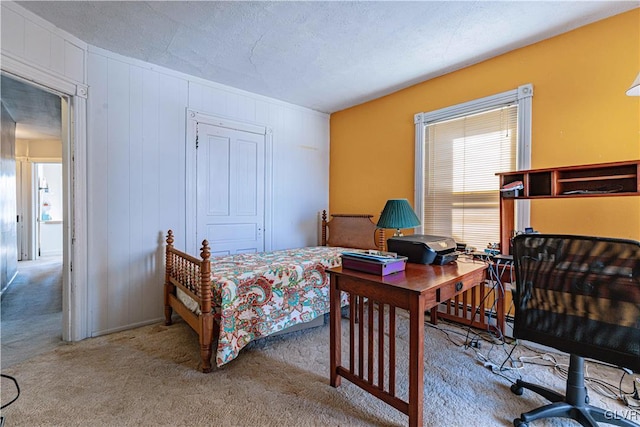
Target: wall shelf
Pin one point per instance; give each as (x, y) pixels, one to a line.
(595, 180)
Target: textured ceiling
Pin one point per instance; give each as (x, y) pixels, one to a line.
(36, 112)
(323, 55)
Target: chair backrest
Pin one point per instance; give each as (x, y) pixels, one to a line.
(580, 295)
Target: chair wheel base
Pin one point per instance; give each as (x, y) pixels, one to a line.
(519, 423)
(517, 389)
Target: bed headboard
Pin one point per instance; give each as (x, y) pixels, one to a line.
(351, 231)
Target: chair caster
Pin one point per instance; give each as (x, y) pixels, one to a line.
(519, 423)
(517, 389)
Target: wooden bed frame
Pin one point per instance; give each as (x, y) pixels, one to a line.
(352, 231)
(192, 275)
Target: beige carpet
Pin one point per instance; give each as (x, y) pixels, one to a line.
(148, 377)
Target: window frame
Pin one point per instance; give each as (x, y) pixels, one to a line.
(522, 96)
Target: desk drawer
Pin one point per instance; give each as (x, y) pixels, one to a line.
(452, 289)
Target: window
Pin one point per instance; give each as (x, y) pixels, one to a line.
(459, 149)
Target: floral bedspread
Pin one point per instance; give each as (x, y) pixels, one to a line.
(258, 294)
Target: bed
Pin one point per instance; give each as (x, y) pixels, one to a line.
(232, 300)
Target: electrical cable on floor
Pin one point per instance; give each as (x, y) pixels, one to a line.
(17, 389)
(497, 283)
(629, 399)
(472, 340)
(495, 275)
(599, 386)
(12, 400)
(485, 360)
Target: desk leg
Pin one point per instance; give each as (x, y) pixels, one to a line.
(416, 361)
(500, 315)
(335, 331)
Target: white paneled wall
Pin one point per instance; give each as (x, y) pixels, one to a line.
(30, 38)
(136, 162)
(136, 159)
(137, 176)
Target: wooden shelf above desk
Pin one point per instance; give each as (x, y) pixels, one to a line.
(595, 180)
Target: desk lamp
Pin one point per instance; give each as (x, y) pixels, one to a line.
(397, 213)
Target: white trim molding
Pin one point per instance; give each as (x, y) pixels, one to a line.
(22, 70)
(522, 96)
(225, 122)
(418, 194)
(75, 319)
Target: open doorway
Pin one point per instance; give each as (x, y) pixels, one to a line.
(37, 287)
(39, 207)
(49, 212)
(73, 99)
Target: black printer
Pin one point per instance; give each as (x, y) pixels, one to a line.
(424, 249)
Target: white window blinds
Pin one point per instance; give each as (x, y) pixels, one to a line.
(461, 190)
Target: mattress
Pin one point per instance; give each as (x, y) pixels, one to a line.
(259, 294)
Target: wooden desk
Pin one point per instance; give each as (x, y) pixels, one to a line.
(416, 289)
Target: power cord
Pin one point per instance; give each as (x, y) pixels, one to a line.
(473, 339)
(630, 399)
(497, 285)
(12, 400)
(17, 388)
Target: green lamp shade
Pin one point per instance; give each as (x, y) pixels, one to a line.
(397, 213)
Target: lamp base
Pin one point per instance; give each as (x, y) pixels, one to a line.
(398, 233)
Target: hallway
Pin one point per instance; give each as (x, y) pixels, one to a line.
(31, 311)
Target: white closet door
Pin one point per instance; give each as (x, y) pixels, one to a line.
(230, 198)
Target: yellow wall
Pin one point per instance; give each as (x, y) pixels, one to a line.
(581, 115)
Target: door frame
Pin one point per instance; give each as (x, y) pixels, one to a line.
(36, 220)
(24, 205)
(73, 95)
(193, 118)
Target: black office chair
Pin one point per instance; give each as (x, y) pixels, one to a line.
(580, 295)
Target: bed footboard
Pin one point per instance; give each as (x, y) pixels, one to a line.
(193, 277)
